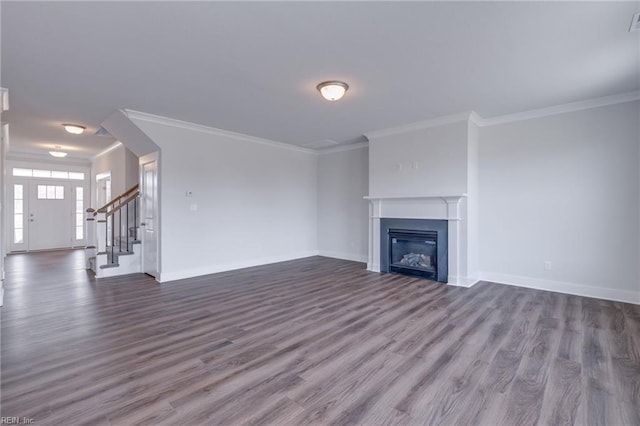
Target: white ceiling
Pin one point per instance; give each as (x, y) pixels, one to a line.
(253, 67)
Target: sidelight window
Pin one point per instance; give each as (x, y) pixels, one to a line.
(18, 214)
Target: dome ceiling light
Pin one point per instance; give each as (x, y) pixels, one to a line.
(58, 153)
(75, 129)
(332, 90)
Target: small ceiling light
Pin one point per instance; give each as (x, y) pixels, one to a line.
(74, 128)
(332, 90)
(57, 153)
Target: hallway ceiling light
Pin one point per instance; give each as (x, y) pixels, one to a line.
(58, 153)
(74, 128)
(332, 90)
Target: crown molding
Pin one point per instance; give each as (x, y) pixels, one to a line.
(562, 108)
(106, 150)
(475, 118)
(420, 125)
(143, 116)
(47, 159)
(343, 148)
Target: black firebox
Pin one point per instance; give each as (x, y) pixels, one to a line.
(416, 247)
(413, 253)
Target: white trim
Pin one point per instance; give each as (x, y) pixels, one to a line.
(164, 277)
(1, 296)
(563, 287)
(4, 99)
(362, 258)
(475, 118)
(106, 150)
(466, 282)
(561, 109)
(411, 127)
(415, 197)
(47, 159)
(342, 148)
(143, 116)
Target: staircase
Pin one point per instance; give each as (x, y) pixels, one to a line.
(113, 247)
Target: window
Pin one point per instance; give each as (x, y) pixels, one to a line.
(50, 192)
(79, 213)
(76, 176)
(42, 173)
(22, 172)
(52, 174)
(18, 214)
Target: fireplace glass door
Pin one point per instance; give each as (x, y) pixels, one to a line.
(413, 253)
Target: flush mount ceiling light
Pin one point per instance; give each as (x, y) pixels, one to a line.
(58, 153)
(74, 128)
(332, 90)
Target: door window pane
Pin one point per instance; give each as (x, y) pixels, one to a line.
(50, 192)
(79, 213)
(18, 236)
(18, 214)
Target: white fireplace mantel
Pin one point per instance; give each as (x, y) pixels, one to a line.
(425, 203)
(439, 207)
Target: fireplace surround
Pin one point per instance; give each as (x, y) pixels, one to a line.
(451, 210)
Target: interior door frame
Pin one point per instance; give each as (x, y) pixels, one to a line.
(145, 159)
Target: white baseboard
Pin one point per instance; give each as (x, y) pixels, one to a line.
(344, 256)
(465, 282)
(564, 287)
(373, 267)
(164, 277)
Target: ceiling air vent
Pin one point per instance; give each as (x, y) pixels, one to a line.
(103, 132)
(635, 23)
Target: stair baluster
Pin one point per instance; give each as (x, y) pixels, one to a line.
(106, 256)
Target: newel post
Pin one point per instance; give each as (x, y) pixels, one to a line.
(90, 237)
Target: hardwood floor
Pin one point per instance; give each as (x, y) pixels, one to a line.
(315, 340)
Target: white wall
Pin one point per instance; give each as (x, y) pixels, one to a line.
(343, 181)
(472, 202)
(564, 189)
(256, 203)
(123, 165)
(427, 161)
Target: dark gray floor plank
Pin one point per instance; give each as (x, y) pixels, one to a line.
(315, 340)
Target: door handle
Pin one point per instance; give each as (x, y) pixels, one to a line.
(143, 224)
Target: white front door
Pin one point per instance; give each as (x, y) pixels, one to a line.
(49, 218)
(149, 213)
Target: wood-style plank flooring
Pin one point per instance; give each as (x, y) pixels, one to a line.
(311, 341)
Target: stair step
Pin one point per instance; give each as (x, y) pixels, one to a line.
(110, 265)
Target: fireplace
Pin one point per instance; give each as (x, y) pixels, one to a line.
(415, 247)
(413, 253)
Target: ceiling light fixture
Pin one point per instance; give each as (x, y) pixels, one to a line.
(332, 90)
(58, 153)
(74, 128)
